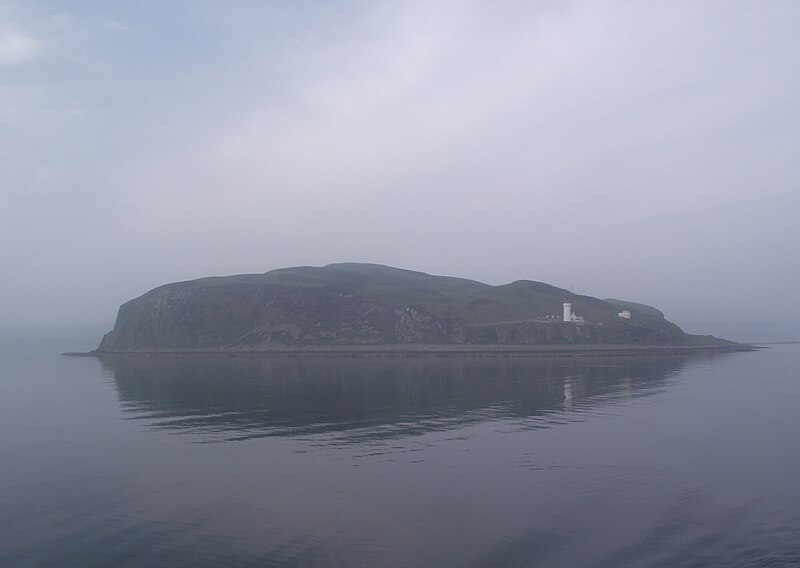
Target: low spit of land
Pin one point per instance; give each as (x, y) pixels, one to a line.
(444, 350)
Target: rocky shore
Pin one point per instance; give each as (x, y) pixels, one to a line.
(443, 350)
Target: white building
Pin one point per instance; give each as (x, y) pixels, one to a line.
(569, 315)
(626, 314)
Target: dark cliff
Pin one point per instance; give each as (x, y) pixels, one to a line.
(363, 304)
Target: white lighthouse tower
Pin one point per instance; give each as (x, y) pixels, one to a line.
(567, 311)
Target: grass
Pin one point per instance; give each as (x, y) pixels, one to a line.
(444, 296)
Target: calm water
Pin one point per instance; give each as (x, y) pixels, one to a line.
(651, 461)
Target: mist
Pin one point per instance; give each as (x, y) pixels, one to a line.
(627, 150)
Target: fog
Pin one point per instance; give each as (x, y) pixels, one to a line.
(645, 151)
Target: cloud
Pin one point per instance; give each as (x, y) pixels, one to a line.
(17, 47)
(573, 143)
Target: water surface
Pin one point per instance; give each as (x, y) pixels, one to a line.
(430, 461)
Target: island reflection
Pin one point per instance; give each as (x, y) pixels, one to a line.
(360, 399)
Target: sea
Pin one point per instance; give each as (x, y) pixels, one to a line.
(194, 461)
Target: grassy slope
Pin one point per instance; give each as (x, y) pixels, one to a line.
(442, 296)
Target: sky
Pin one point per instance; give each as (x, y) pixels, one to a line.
(637, 150)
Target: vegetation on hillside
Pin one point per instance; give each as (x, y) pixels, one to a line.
(370, 304)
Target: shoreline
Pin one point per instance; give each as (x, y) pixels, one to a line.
(440, 350)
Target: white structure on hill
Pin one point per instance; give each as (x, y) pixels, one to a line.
(626, 314)
(569, 316)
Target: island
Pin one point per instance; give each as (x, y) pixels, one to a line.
(371, 308)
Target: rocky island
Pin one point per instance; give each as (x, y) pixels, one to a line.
(354, 307)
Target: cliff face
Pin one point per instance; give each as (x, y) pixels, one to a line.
(368, 305)
(251, 317)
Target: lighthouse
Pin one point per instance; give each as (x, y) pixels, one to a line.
(567, 311)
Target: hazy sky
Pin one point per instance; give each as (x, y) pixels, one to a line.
(641, 150)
